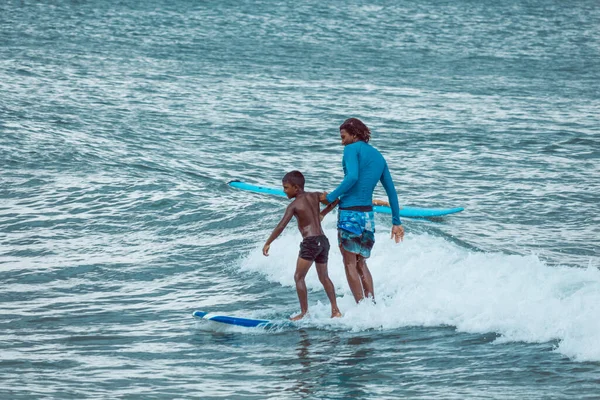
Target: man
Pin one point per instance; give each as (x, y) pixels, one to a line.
(363, 166)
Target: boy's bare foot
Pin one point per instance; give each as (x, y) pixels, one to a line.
(298, 317)
(336, 314)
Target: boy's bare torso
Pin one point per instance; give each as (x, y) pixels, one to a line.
(306, 210)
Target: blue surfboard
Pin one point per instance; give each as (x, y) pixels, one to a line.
(237, 321)
(409, 212)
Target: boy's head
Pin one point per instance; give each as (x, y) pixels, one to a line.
(293, 182)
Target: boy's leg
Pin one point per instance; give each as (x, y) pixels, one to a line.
(302, 267)
(350, 265)
(365, 277)
(329, 288)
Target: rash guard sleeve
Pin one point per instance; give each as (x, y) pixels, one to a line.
(350, 163)
(388, 185)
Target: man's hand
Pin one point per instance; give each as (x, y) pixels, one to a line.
(397, 233)
(323, 198)
(266, 248)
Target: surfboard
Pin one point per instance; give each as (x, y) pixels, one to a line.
(405, 211)
(237, 321)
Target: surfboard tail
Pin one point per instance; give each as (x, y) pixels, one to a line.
(237, 321)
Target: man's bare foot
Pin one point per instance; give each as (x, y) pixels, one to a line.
(298, 317)
(336, 313)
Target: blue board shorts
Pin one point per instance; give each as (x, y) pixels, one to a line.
(356, 231)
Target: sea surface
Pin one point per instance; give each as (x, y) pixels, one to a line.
(121, 123)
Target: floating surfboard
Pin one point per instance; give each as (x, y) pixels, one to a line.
(409, 212)
(224, 319)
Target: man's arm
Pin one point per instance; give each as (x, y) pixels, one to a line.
(351, 163)
(388, 185)
(287, 216)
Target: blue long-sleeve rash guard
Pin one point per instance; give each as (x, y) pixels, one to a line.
(364, 166)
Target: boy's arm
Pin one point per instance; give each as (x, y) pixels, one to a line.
(377, 202)
(287, 216)
(328, 209)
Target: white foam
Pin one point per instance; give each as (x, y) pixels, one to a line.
(427, 281)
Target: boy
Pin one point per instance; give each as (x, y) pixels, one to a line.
(314, 246)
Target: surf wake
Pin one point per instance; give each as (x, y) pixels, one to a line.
(428, 281)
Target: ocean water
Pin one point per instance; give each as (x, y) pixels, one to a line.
(121, 123)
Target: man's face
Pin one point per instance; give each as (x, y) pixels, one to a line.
(346, 137)
(290, 190)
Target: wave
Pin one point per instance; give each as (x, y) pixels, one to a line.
(428, 281)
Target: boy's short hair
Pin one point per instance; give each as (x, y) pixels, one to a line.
(356, 127)
(294, 178)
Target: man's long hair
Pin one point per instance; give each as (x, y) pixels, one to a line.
(355, 127)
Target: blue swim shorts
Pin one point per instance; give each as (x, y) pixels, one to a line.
(356, 231)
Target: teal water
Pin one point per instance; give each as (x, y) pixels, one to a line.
(122, 122)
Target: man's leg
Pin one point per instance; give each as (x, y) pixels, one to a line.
(329, 289)
(302, 267)
(350, 265)
(365, 277)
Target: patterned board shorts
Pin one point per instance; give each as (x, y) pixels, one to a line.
(356, 231)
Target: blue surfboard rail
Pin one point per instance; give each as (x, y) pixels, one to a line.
(405, 211)
(237, 321)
